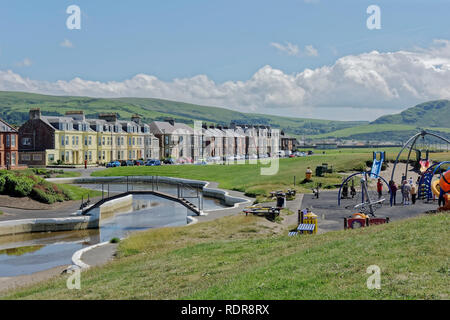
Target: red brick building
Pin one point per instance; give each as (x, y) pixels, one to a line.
(9, 150)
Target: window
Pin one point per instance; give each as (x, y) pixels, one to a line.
(90, 155)
(166, 139)
(26, 157)
(77, 140)
(134, 140)
(37, 157)
(67, 156)
(13, 140)
(26, 141)
(13, 158)
(51, 157)
(129, 141)
(90, 140)
(73, 140)
(67, 140)
(8, 140)
(85, 141)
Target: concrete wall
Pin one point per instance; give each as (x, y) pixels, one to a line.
(92, 221)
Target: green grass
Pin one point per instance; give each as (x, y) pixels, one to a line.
(77, 193)
(247, 178)
(371, 128)
(69, 174)
(1, 212)
(227, 259)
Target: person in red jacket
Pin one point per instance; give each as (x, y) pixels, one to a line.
(379, 188)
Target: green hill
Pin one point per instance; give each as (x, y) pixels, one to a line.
(14, 107)
(433, 116)
(428, 114)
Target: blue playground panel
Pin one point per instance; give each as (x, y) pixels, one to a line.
(376, 167)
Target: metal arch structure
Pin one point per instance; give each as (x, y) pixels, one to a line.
(426, 179)
(365, 174)
(438, 166)
(414, 138)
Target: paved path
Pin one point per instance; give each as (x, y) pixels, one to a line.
(331, 216)
(62, 211)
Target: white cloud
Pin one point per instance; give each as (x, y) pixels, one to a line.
(24, 63)
(311, 51)
(66, 44)
(293, 49)
(372, 81)
(289, 48)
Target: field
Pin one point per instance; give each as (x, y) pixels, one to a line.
(237, 258)
(248, 178)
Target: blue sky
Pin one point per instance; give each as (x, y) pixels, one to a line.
(223, 40)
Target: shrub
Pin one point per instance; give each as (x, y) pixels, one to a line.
(39, 194)
(2, 184)
(18, 185)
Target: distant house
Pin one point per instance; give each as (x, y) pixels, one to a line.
(176, 140)
(8, 146)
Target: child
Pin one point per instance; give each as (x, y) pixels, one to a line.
(379, 188)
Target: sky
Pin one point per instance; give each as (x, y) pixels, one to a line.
(300, 58)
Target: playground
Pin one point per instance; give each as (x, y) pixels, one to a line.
(367, 198)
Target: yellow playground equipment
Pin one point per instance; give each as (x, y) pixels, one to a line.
(441, 187)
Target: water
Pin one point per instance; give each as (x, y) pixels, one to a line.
(29, 253)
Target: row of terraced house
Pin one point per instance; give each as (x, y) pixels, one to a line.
(76, 140)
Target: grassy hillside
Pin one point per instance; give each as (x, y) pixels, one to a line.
(433, 116)
(14, 107)
(428, 114)
(238, 258)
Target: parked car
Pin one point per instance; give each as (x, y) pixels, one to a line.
(138, 162)
(113, 164)
(127, 163)
(201, 162)
(169, 161)
(153, 162)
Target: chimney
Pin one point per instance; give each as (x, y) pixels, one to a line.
(170, 120)
(204, 125)
(35, 114)
(108, 117)
(76, 115)
(136, 118)
(233, 125)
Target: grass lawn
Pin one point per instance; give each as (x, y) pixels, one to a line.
(76, 193)
(239, 258)
(247, 178)
(68, 174)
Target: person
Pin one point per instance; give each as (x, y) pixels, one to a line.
(406, 189)
(410, 181)
(394, 189)
(413, 193)
(344, 191)
(379, 188)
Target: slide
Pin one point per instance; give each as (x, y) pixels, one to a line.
(424, 165)
(376, 167)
